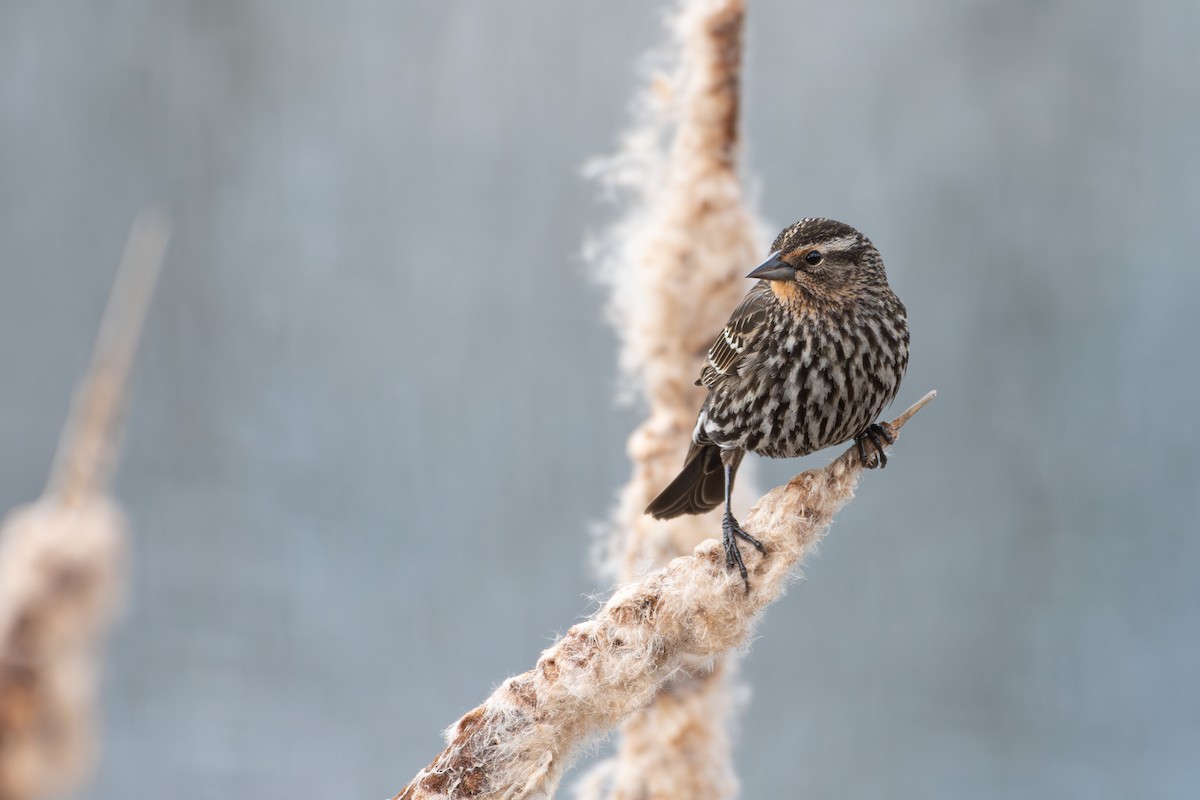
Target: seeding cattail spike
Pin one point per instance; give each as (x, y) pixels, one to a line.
(649, 635)
(675, 264)
(61, 559)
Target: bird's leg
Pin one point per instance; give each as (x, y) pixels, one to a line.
(731, 531)
(875, 434)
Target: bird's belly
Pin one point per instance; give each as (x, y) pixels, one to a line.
(795, 404)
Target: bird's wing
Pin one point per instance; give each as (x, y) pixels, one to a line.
(728, 353)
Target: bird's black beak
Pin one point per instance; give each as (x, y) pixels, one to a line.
(774, 269)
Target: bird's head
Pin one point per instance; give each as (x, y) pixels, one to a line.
(820, 260)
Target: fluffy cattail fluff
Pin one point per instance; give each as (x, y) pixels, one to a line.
(59, 573)
(676, 262)
(651, 633)
(676, 265)
(60, 560)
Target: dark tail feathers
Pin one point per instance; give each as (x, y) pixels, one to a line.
(699, 487)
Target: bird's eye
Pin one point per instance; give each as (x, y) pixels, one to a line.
(814, 257)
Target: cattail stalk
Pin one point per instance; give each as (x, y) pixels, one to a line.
(60, 558)
(676, 267)
(650, 633)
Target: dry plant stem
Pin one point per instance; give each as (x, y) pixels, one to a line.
(676, 267)
(60, 559)
(87, 453)
(521, 740)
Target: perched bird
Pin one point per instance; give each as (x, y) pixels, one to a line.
(809, 359)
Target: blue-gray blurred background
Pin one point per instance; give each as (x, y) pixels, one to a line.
(374, 427)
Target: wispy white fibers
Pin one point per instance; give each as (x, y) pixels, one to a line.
(650, 633)
(675, 264)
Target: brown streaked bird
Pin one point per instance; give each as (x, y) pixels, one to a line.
(809, 359)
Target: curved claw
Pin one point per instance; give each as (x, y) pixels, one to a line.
(878, 442)
(876, 433)
(731, 531)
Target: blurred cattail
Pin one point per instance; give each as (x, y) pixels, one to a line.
(676, 266)
(60, 558)
(693, 611)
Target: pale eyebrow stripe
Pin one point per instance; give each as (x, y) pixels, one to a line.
(838, 245)
(841, 243)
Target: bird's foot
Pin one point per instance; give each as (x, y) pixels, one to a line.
(875, 434)
(730, 533)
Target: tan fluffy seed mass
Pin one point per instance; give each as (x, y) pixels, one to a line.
(60, 567)
(675, 265)
(676, 262)
(691, 612)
